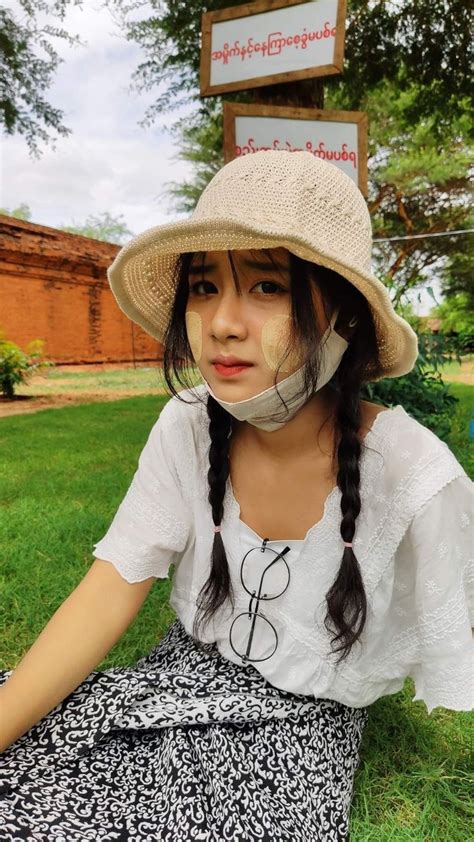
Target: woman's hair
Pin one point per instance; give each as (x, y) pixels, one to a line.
(346, 600)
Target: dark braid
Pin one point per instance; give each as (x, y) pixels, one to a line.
(346, 597)
(218, 586)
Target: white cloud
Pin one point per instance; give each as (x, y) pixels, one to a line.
(108, 162)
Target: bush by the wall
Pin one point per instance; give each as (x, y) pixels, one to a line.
(16, 366)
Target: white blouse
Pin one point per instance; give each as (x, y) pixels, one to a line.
(413, 541)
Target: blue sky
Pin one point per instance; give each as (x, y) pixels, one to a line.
(108, 162)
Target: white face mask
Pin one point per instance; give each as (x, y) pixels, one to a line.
(266, 410)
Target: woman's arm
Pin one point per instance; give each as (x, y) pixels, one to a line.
(76, 638)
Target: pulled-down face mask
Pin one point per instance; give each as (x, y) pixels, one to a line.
(266, 410)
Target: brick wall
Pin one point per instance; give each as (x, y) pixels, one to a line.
(53, 286)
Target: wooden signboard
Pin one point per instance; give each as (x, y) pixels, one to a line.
(336, 136)
(269, 42)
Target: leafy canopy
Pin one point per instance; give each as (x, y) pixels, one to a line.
(25, 74)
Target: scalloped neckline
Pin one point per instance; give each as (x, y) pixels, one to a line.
(332, 494)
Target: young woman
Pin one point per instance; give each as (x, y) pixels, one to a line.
(320, 542)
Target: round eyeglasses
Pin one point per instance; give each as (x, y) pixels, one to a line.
(252, 628)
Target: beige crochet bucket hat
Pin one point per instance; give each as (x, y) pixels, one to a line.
(264, 200)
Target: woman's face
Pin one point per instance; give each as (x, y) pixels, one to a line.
(252, 325)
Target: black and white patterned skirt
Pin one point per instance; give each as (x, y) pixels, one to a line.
(184, 745)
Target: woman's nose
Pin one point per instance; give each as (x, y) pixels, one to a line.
(228, 317)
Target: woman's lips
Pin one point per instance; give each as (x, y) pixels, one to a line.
(230, 370)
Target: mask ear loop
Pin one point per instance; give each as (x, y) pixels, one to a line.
(333, 321)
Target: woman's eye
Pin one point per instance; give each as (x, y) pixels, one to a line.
(276, 287)
(194, 287)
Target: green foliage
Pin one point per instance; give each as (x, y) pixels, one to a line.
(458, 270)
(424, 45)
(16, 366)
(21, 212)
(420, 42)
(200, 143)
(456, 314)
(418, 183)
(25, 75)
(169, 35)
(109, 228)
(422, 392)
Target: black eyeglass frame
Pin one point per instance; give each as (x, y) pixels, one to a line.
(256, 613)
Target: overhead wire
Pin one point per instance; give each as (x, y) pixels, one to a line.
(423, 236)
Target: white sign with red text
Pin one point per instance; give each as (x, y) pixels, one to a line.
(332, 141)
(283, 40)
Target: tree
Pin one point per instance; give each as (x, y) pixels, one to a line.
(455, 315)
(110, 229)
(456, 277)
(21, 212)
(406, 65)
(418, 183)
(24, 75)
(201, 143)
(422, 42)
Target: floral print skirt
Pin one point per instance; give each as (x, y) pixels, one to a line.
(183, 745)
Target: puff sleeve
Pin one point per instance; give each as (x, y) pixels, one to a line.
(150, 529)
(440, 546)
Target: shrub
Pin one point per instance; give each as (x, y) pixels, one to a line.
(16, 366)
(422, 392)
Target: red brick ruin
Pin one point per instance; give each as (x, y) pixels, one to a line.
(53, 286)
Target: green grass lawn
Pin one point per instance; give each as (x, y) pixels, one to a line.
(64, 473)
